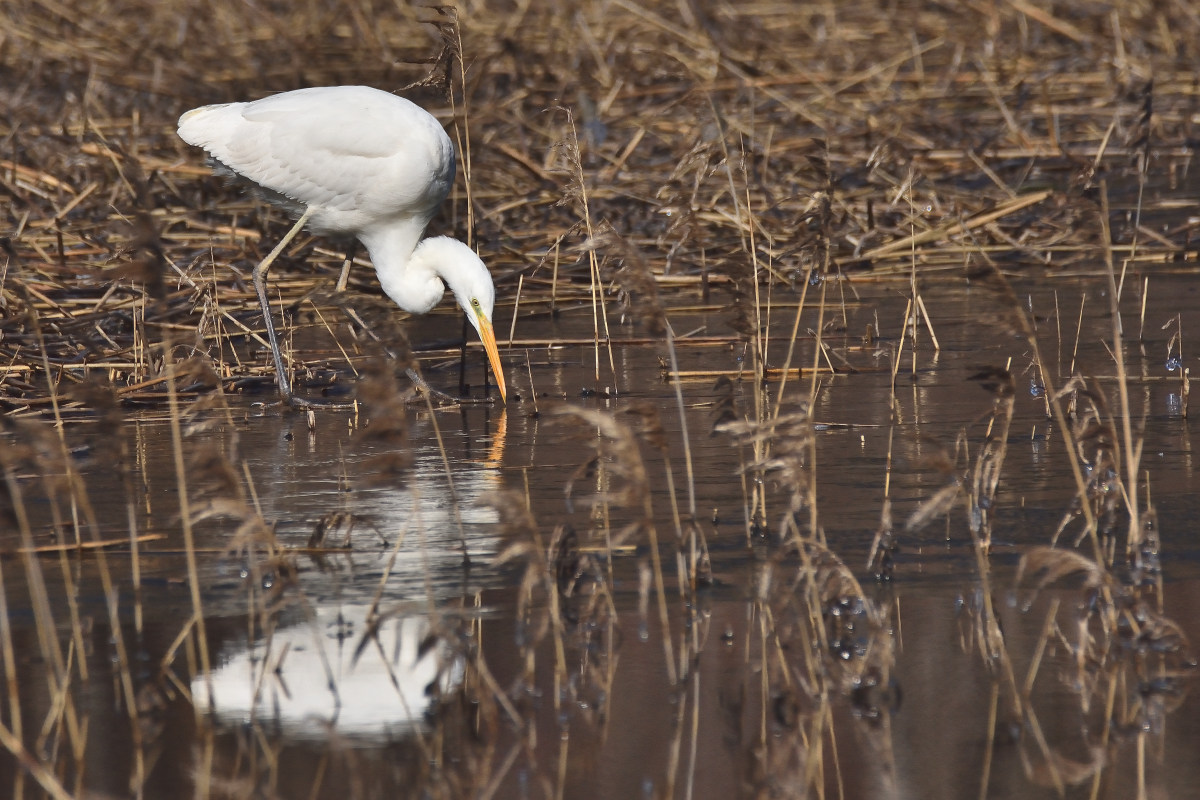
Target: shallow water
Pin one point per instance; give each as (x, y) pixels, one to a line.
(339, 715)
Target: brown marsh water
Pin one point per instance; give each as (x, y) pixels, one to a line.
(350, 706)
(627, 583)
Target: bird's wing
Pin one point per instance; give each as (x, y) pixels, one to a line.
(342, 149)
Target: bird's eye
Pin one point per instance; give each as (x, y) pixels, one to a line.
(474, 302)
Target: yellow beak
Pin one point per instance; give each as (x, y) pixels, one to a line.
(488, 336)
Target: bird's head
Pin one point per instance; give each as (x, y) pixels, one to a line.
(467, 277)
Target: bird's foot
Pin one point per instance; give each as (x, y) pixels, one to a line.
(423, 395)
(439, 397)
(291, 401)
(324, 405)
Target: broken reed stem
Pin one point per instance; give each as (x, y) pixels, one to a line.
(989, 748)
(822, 86)
(599, 309)
(556, 621)
(683, 428)
(1106, 731)
(73, 482)
(512, 328)
(463, 131)
(791, 348)
(9, 659)
(660, 589)
(898, 357)
(761, 447)
(33, 766)
(811, 444)
(956, 227)
(112, 598)
(185, 515)
(56, 677)
(991, 638)
(1078, 335)
(674, 751)
(79, 501)
(687, 572)
(1060, 417)
(1058, 353)
(1132, 455)
(937, 347)
(1142, 316)
(1185, 390)
(885, 525)
(454, 504)
(1036, 660)
(134, 542)
(694, 735)
(1039, 736)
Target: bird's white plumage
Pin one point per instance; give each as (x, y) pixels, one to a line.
(360, 157)
(358, 161)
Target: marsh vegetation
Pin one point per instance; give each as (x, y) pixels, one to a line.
(847, 450)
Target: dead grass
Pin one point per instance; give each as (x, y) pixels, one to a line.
(705, 139)
(625, 159)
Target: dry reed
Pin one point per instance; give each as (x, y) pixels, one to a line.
(737, 160)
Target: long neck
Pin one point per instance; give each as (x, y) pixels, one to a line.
(410, 282)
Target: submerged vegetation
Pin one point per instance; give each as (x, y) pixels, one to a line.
(777, 203)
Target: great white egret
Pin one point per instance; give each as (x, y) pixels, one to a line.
(354, 160)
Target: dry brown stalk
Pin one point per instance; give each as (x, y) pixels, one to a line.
(742, 151)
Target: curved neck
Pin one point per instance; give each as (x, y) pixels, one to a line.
(411, 283)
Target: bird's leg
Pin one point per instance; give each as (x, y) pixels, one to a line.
(344, 278)
(260, 285)
(462, 361)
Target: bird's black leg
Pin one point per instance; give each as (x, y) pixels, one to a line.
(260, 285)
(462, 362)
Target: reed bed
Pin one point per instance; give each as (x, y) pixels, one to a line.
(790, 142)
(620, 161)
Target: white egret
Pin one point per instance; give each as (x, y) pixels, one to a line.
(354, 160)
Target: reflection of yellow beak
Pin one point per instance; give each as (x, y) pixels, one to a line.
(488, 336)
